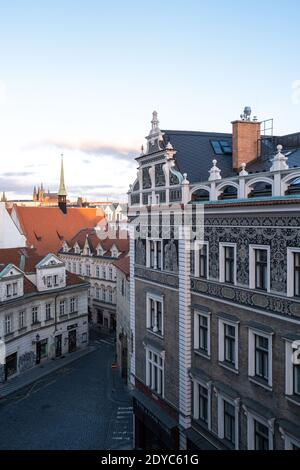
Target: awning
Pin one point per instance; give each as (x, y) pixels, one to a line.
(154, 411)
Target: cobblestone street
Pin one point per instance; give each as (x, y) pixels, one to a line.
(83, 405)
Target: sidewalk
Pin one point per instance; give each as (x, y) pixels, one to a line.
(37, 372)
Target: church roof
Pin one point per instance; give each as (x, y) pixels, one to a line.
(45, 228)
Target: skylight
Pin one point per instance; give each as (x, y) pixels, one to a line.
(222, 147)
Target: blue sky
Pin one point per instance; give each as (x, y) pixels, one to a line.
(83, 77)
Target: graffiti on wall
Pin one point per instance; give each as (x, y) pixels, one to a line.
(26, 361)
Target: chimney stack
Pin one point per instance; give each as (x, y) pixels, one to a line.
(245, 139)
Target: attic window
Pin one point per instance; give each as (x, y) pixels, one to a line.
(222, 147)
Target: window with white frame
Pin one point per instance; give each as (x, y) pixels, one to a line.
(228, 420)
(8, 290)
(104, 272)
(48, 311)
(79, 268)
(260, 356)
(110, 273)
(228, 343)
(88, 270)
(15, 288)
(260, 433)
(155, 313)
(8, 324)
(97, 271)
(98, 292)
(155, 371)
(55, 279)
(49, 281)
(293, 272)
(259, 267)
(73, 305)
(110, 295)
(291, 443)
(202, 402)
(199, 259)
(103, 293)
(22, 319)
(74, 268)
(62, 307)
(154, 254)
(202, 332)
(35, 315)
(227, 267)
(292, 369)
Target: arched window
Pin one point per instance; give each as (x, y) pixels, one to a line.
(260, 189)
(294, 186)
(200, 195)
(228, 192)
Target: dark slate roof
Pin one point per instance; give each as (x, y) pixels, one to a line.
(264, 163)
(195, 153)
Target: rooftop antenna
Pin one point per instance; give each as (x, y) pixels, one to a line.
(247, 113)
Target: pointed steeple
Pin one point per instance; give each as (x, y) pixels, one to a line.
(62, 188)
(62, 193)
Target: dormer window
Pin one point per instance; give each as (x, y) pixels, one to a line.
(8, 290)
(100, 251)
(49, 281)
(55, 277)
(77, 249)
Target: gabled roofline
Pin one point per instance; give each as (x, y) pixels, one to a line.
(8, 267)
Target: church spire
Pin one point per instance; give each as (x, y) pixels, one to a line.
(62, 193)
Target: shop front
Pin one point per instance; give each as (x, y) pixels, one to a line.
(154, 429)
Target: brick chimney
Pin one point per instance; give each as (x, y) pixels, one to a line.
(245, 140)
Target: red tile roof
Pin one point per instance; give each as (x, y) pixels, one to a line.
(121, 242)
(26, 259)
(73, 279)
(123, 264)
(46, 227)
(23, 258)
(29, 287)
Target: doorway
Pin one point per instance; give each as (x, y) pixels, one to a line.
(58, 343)
(38, 352)
(11, 365)
(72, 341)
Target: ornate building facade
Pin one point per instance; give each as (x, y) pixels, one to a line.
(215, 289)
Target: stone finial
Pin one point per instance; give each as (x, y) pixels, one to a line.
(214, 172)
(185, 180)
(243, 171)
(279, 161)
(170, 152)
(155, 120)
(142, 151)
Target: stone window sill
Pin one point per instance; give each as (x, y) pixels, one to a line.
(229, 367)
(260, 382)
(158, 335)
(21, 330)
(200, 353)
(295, 399)
(9, 335)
